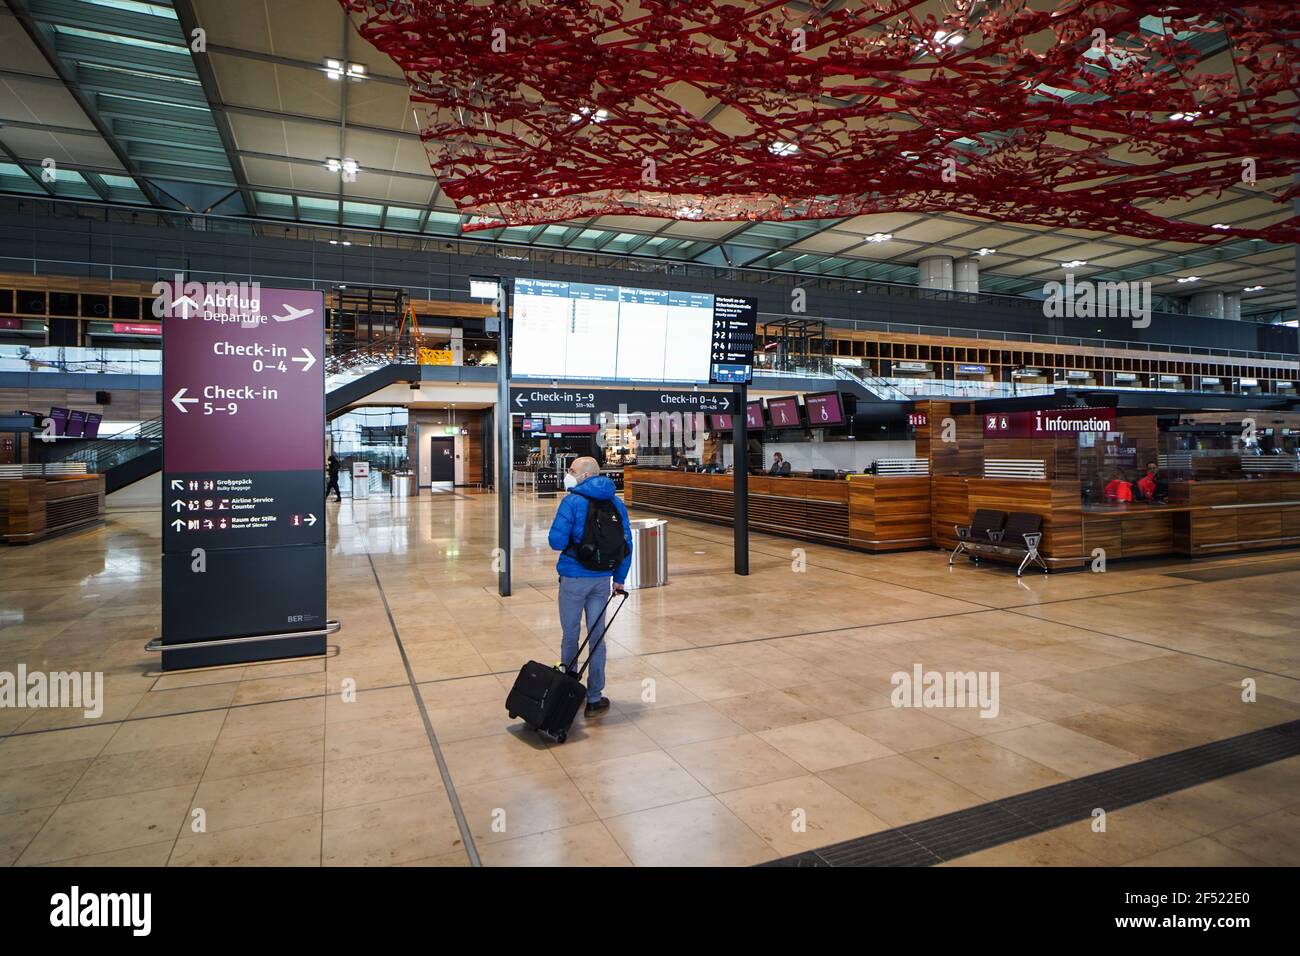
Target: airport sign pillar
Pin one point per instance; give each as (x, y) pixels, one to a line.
(740, 480)
(504, 461)
(735, 327)
(243, 536)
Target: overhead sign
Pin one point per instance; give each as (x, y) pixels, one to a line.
(243, 460)
(531, 401)
(918, 419)
(735, 329)
(971, 369)
(1048, 423)
(136, 328)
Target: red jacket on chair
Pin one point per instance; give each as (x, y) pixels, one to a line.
(1120, 490)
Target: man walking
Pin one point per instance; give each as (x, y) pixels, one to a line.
(334, 478)
(592, 534)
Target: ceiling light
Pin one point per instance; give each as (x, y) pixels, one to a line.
(1074, 263)
(347, 166)
(1190, 279)
(335, 69)
(951, 39)
(585, 112)
(336, 242)
(1185, 117)
(783, 149)
(1254, 288)
(880, 237)
(986, 252)
(1219, 225)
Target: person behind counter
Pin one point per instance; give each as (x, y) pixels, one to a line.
(1146, 485)
(1117, 489)
(780, 467)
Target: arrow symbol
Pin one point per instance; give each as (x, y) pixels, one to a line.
(178, 505)
(726, 403)
(308, 358)
(180, 401)
(178, 524)
(178, 485)
(310, 519)
(519, 400)
(185, 303)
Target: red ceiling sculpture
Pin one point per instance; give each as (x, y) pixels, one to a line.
(1062, 114)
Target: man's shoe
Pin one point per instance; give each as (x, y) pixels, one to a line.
(596, 708)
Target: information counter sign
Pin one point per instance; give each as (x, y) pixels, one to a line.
(243, 474)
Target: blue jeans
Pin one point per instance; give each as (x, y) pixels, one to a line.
(575, 595)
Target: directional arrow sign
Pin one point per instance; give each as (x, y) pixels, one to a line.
(178, 505)
(178, 524)
(180, 401)
(185, 303)
(178, 485)
(520, 400)
(308, 358)
(310, 519)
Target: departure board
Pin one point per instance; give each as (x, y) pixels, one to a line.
(586, 331)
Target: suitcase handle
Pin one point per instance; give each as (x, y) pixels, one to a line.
(605, 627)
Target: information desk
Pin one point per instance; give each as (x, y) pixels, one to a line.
(1202, 517)
(31, 508)
(867, 512)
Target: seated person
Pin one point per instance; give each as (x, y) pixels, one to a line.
(779, 465)
(1147, 484)
(1119, 490)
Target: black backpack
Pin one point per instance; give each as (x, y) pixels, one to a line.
(602, 546)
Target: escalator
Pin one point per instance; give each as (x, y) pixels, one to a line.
(122, 459)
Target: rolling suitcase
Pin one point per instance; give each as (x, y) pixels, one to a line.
(548, 697)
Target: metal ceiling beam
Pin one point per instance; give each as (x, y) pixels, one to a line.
(212, 92)
(42, 44)
(300, 64)
(13, 157)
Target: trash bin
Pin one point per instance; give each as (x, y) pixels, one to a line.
(403, 485)
(649, 554)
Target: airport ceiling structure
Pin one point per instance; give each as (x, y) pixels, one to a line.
(340, 114)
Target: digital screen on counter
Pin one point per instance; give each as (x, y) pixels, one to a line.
(754, 416)
(824, 409)
(92, 425)
(76, 425)
(784, 412)
(720, 423)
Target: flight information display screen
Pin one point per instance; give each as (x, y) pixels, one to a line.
(754, 415)
(783, 412)
(824, 409)
(581, 330)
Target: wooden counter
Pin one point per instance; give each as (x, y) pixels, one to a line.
(1202, 517)
(31, 508)
(872, 513)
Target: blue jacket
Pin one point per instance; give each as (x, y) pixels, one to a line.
(571, 518)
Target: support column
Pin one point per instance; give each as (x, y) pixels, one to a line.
(457, 346)
(935, 272)
(966, 275)
(1207, 303)
(504, 460)
(1232, 305)
(740, 480)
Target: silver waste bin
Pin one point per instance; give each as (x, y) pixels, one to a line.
(403, 484)
(649, 553)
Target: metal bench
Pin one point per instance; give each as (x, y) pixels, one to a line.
(981, 528)
(1017, 540)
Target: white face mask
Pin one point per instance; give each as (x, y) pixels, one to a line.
(569, 481)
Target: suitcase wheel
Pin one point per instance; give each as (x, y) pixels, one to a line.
(561, 737)
(512, 714)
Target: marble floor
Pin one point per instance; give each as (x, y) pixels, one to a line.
(751, 716)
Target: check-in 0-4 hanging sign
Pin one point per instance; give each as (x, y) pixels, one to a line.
(1049, 422)
(243, 466)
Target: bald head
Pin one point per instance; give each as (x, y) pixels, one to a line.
(584, 468)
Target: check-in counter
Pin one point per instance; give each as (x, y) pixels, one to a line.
(31, 508)
(867, 512)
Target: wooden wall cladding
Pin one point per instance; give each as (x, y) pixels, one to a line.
(889, 514)
(949, 506)
(794, 506)
(31, 508)
(1057, 502)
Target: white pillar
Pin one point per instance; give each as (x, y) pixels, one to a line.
(457, 346)
(1208, 304)
(966, 272)
(1232, 305)
(935, 272)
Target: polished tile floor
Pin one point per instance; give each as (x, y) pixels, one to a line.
(751, 719)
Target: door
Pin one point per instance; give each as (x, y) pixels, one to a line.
(442, 461)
